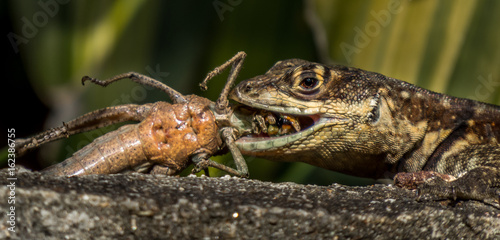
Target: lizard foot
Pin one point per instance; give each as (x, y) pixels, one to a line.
(477, 184)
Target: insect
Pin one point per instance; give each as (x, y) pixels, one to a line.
(168, 138)
(274, 124)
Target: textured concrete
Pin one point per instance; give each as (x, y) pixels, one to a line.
(139, 206)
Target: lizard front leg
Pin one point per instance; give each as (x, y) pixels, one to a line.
(480, 183)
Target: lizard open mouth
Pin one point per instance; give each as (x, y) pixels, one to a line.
(273, 124)
(263, 129)
(267, 124)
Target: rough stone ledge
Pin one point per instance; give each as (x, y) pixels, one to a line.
(139, 206)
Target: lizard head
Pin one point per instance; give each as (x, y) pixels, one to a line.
(312, 97)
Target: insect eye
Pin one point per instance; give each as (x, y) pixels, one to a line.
(309, 83)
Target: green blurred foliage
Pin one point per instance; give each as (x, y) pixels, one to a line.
(447, 46)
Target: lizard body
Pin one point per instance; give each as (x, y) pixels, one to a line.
(366, 124)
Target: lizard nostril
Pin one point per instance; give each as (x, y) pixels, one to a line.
(247, 88)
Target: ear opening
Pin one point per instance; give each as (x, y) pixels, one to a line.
(374, 115)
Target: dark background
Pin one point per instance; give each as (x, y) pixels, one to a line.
(447, 46)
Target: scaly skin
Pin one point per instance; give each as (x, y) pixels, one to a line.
(370, 125)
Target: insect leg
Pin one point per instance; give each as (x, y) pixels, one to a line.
(163, 170)
(228, 137)
(175, 96)
(202, 162)
(222, 104)
(90, 121)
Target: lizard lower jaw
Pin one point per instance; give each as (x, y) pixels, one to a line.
(253, 142)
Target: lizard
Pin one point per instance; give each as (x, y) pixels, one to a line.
(366, 124)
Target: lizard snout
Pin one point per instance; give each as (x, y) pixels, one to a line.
(244, 89)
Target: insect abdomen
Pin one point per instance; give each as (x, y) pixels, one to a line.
(106, 154)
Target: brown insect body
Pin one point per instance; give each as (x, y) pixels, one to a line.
(169, 136)
(175, 133)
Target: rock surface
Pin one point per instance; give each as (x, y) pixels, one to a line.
(139, 206)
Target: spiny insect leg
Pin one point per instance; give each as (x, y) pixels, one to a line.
(236, 62)
(229, 137)
(90, 121)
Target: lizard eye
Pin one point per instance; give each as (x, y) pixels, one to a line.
(309, 83)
